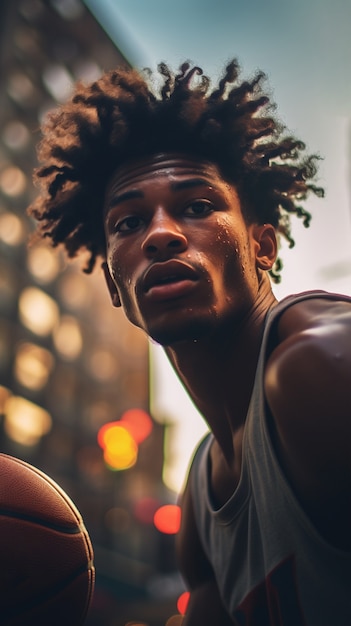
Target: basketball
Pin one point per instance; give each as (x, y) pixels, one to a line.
(46, 556)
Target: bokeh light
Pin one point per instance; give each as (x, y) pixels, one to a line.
(12, 231)
(33, 365)
(175, 620)
(68, 338)
(138, 422)
(167, 519)
(120, 449)
(183, 601)
(43, 263)
(57, 81)
(21, 89)
(13, 181)
(16, 135)
(25, 422)
(38, 311)
(120, 439)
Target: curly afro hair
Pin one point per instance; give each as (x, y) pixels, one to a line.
(127, 114)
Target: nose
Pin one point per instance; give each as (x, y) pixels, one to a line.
(164, 236)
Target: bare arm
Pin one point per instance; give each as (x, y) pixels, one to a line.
(205, 605)
(308, 389)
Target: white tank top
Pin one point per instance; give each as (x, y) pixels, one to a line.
(272, 567)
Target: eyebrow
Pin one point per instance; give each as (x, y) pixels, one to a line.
(137, 193)
(123, 197)
(190, 182)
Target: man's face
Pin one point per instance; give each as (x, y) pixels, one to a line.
(181, 259)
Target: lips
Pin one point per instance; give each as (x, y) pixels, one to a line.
(168, 273)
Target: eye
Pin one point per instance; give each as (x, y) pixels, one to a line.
(128, 224)
(199, 208)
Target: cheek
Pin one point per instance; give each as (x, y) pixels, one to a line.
(124, 266)
(114, 267)
(227, 247)
(236, 260)
(114, 260)
(117, 271)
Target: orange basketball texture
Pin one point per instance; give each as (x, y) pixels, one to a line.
(46, 556)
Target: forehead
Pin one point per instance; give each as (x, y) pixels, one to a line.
(169, 167)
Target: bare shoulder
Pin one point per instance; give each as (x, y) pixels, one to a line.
(315, 313)
(308, 391)
(313, 341)
(308, 373)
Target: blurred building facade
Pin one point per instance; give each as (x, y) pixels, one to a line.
(69, 362)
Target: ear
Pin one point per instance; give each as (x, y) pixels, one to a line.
(111, 285)
(266, 245)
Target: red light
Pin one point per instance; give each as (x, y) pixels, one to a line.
(138, 422)
(167, 519)
(183, 601)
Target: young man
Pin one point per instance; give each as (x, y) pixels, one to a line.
(182, 192)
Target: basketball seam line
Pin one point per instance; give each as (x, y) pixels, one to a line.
(40, 522)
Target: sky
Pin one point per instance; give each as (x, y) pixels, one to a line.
(304, 47)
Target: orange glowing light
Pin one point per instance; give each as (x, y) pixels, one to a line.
(167, 519)
(182, 602)
(120, 449)
(138, 422)
(175, 620)
(103, 435)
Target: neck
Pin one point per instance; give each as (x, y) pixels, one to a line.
(218, 371)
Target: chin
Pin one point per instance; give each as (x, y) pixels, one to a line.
(191, 330)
